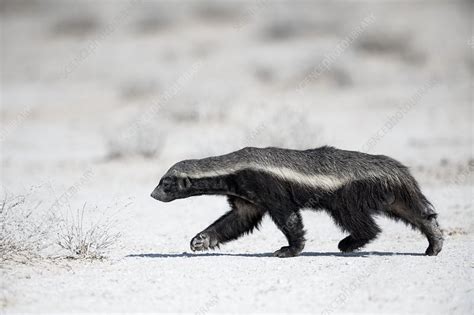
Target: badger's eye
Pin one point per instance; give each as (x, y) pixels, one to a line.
(167, 182)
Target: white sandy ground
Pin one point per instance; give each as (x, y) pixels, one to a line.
(154, 270)
(243, 94)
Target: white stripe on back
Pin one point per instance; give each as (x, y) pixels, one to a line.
(311, 180)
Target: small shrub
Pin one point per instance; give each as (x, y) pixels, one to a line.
(29, 231)
(137, 138)
(87, 233)
(80, 25)
(24, 232)
(288, 128)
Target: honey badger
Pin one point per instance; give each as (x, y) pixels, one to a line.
(351, 186)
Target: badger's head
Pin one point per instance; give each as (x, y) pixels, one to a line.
(175, 184)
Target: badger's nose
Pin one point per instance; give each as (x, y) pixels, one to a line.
(158, 193)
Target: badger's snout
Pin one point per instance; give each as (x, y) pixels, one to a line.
(159, 194)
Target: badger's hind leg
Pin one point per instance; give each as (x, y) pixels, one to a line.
(360, 224)
(430, 227)
(243, 218)
(426, 223)
(291, 224)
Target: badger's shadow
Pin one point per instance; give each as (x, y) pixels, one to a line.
(304, 254)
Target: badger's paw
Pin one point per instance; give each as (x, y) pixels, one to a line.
(203, 241)
(350, 244)
(434, 248)
(287, 251)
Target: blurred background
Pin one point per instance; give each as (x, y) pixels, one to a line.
(121, 81)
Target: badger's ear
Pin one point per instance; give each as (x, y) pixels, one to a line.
(184, 183)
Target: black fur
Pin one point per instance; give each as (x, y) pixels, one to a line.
(370, 185)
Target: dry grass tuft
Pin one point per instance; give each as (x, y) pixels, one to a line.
(88, 233)
(29, 232)
(24, 233)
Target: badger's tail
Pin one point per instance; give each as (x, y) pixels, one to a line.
(419, 203)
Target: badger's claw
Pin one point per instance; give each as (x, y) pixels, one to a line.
(287, 251)
(203, 241)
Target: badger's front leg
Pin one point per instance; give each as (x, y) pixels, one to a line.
(243, 218)
(291, 224)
